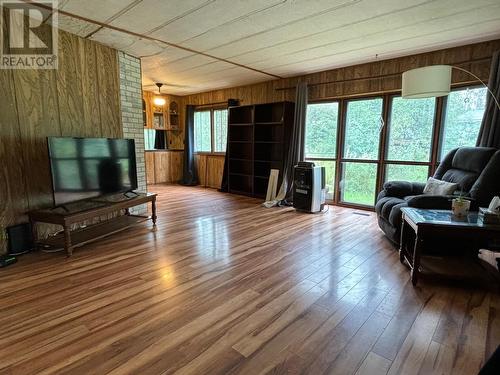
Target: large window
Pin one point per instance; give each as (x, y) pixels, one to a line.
(210, 130)
(361, 151)
(410, 129)
(321, 139)
(409, 144)
(220, 129)
(346, 137)
(462, 120)
(202, 131)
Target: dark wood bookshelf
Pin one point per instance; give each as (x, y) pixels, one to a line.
(258, 138)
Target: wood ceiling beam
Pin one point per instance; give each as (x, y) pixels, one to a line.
(170, 44)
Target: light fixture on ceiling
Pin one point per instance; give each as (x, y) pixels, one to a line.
(158, 100)
(433, 81)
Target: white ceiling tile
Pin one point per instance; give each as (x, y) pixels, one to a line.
(379, 27)
(318, 25)
(115, 39)
(97, 10)
(419, 44)
(280, 37)
(74, 26)
(213, 16)
(167, 56)
(257, 24)
(144, 47)
(150, 14)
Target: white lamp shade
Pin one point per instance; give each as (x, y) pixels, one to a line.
(430, 81)
(159, 101)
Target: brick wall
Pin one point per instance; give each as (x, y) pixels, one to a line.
(131, 105)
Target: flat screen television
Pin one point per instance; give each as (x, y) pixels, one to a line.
(85, 168)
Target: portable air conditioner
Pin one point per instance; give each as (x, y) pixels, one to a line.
(309, 190)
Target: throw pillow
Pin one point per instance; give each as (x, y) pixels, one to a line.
(438, 187)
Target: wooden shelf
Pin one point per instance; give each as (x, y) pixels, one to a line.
(270, 123)
(94, 232)
(268, 161)
(86, 210)
(257, 142)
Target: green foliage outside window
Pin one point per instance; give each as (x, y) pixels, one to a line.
(412, 173)
(363, 124)
(463, 116)
(410, 129)
(220, 130)
(202, 131)
(358, 183)
(321, 130)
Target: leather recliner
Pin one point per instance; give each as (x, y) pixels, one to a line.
(476, 170)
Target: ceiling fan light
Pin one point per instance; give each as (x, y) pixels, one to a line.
(159, 101)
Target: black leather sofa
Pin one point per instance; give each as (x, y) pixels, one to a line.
(475, 169)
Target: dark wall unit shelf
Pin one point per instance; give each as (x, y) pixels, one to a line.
(258, 138)
(240, 133)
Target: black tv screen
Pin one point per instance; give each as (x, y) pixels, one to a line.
(89, 167)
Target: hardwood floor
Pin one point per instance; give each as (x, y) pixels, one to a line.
(226, 286)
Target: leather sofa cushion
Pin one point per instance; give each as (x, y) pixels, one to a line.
(464, 179)
(390, 209)
(472, 159)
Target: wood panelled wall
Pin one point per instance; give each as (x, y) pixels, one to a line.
(81, 98)
(164, 166)
(364, 79)
(210, 169)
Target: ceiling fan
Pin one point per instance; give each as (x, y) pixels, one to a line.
(155, 86)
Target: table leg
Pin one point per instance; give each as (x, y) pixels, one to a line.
(402, 241)
(153, 211)
(416, 260)
(34, 234)
(67, 241)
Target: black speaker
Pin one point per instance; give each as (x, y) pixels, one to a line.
(233, 102)
(19, 239)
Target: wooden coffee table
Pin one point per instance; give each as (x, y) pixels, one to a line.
(419, 226)
(82, 211)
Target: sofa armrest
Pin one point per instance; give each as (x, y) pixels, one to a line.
(438, 202)
(401, 189)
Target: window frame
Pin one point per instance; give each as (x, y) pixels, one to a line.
(444, 100)
(212, 130)
(341, 160)
(382, 161)
(334, 159)
(387, 161)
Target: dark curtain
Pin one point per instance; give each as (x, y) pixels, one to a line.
(189, 176)
(224, 182)
(489, 135)
(296, 146)
(160, 141)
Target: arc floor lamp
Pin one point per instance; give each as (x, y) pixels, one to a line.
(432, 81)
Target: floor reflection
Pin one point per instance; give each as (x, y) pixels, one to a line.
(212, 239)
